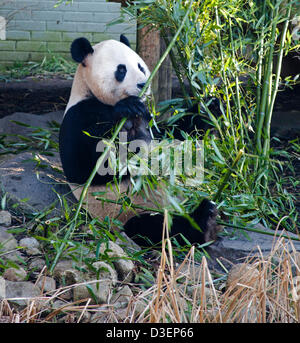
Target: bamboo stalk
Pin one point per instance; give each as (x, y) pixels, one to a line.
(227, 175)
(238, 103)
(266, 83)
(225, 80)
(278, 68)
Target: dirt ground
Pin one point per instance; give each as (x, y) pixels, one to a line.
(34, 96)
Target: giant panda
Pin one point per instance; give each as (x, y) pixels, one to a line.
(106, 87)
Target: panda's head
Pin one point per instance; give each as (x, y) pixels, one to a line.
(110, 70)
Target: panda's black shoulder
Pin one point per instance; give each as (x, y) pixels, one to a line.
(89, 109)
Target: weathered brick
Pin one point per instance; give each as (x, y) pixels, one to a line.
(90, 27)
(105, 17)
(61, 26)
(46, 15)
(15, 14)
(78, 16)
(19, 5)
(46, 36)
(99, 37)
(31, 46)
(37, 56)
(38, 26)
(15, 56)
(99, 7)
(58, 47)
(70, 36)
(38, 5)
(7, 45)
(29, 25)
(122, 28)
(17, 35)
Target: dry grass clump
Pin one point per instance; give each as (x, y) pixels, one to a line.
(261, 289)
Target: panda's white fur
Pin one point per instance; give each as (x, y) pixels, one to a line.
(96, 74)
(94, 77)
(98, 95)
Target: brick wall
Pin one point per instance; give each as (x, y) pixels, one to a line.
(35, 28)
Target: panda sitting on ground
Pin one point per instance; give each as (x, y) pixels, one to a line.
(108, 80)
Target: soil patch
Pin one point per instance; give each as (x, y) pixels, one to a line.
(34, 95)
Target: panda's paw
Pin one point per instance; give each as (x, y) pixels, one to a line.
(131, 108)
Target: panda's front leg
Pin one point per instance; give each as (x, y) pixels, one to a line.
(131, 107)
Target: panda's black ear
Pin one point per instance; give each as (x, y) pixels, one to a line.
(80, 48)
(124, 40)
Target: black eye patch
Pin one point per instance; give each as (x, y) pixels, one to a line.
(141, 69)
(120, 73)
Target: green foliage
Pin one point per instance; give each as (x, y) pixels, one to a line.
(51, 65)
(226, 50)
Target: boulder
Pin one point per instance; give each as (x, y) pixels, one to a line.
(33, 187)
(247, 243)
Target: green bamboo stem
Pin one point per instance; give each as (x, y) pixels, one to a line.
(224, 77)
(237, 86)
(260, 66)
(227, 175)
(266, 84)
(278, 66)
(177, 71)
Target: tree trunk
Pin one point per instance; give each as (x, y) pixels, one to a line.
(150, 46)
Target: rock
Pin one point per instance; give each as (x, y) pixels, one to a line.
(31, 245)
(72, 276)
(36, 265)
(8, 126)
(101, 290)
(129, 243)
(242, 275)
(5, 218)
(46, 284)
(21, 289)
(105, 271)
(2, 288)
(245, 244)
(7, 240)
(14, 274)
(122, 297)
(21, 179)
(139, 307)
(58, 304)
(60, 268)
(123, 265)
(110, 316)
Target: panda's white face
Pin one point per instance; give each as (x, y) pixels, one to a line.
(113, 72)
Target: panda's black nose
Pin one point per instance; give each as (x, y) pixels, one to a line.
(141, 85)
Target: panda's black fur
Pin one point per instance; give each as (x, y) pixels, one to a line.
(79, 156)
(78, 150)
